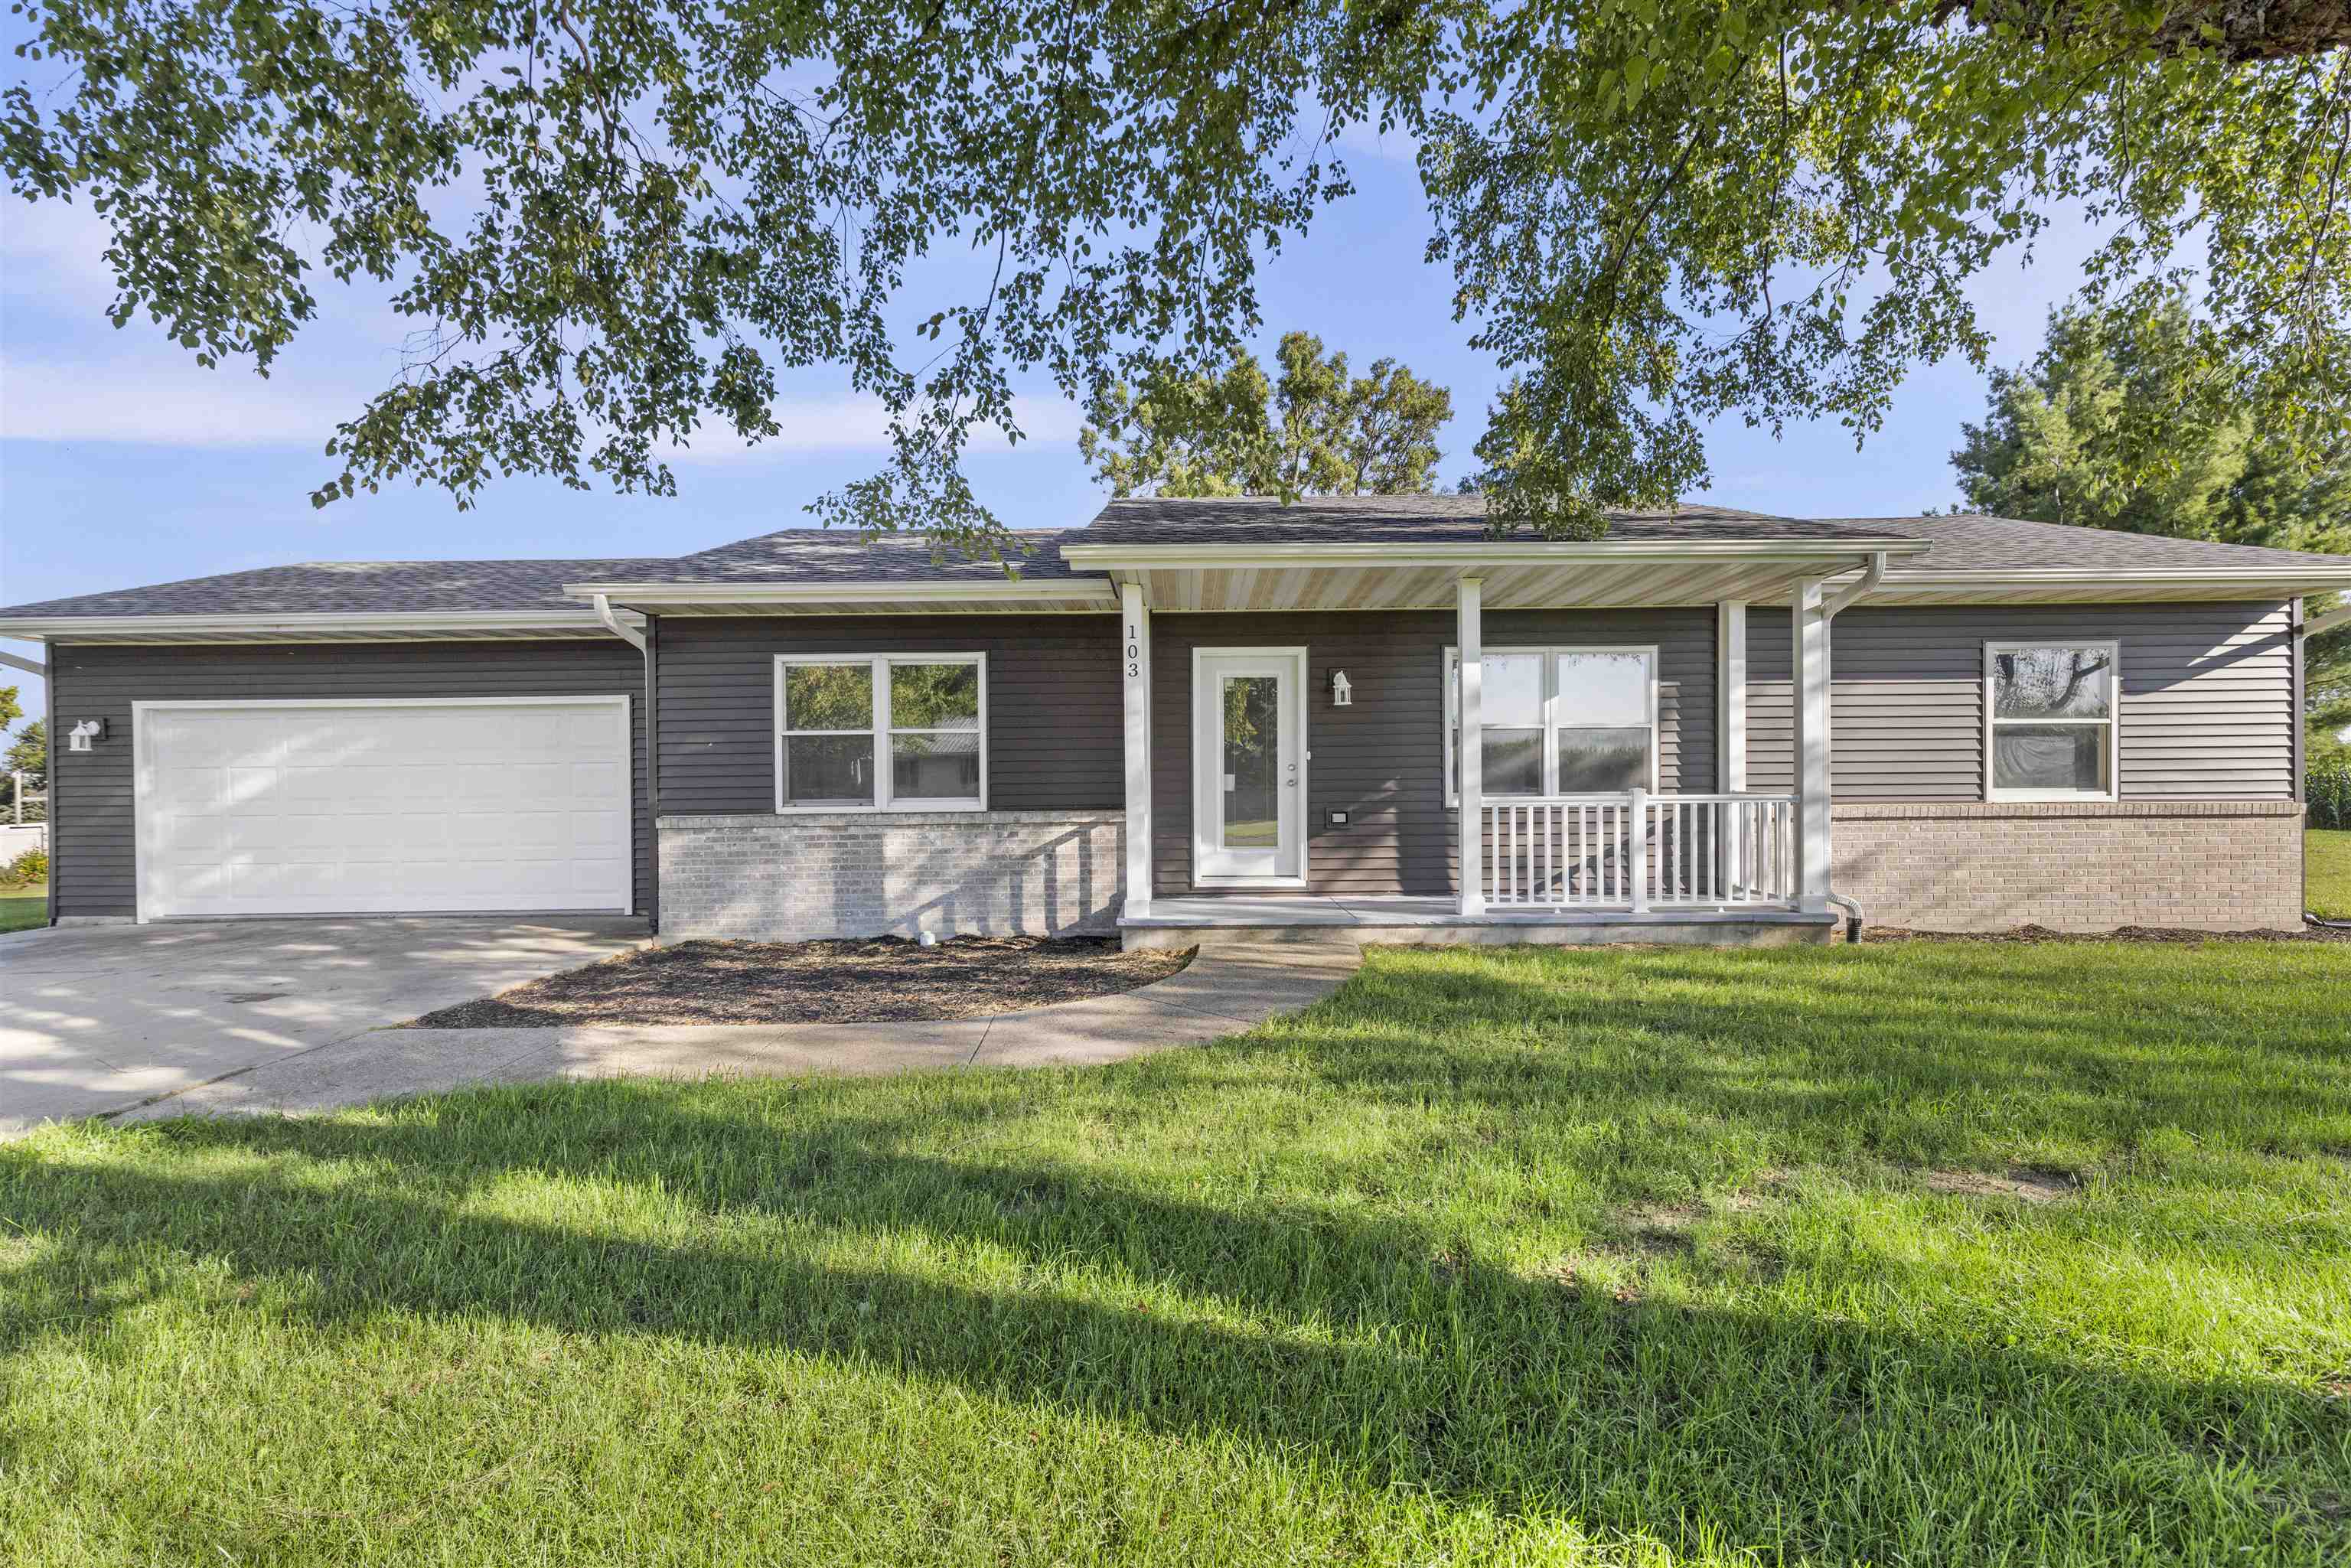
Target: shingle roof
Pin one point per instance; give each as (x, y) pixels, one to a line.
(822, 556)
(829, 555)
(1405, 519)
(353, 586)
(1974, 542)
(392, 587)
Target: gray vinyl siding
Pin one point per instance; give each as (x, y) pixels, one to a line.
(1381, 759)
(1056, 734)
(95, 834)
(2208, 709)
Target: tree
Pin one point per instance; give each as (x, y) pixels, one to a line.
(1312, 431)
(2104, 381)
(12, 707)
(1657, 211)
(29, 754)
(2107, 380)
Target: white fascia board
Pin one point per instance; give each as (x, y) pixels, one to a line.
(389, 623)
(1089, 590)
(1503, 552)
(2175, 583)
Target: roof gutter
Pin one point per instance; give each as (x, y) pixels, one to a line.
(1087, 591)
(2319, 579)
(306, 625)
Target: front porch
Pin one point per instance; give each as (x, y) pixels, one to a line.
(1593, 780)
(1213, 920)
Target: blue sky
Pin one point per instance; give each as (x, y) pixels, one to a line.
(123, 463)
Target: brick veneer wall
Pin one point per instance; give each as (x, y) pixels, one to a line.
(2223, 865)
(861, 873)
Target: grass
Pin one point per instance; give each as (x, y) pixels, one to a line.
(1496, 1258)
(23, 906)
(2326, 872)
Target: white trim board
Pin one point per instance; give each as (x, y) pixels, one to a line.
(328, 626)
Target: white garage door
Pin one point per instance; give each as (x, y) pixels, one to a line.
(382, 808)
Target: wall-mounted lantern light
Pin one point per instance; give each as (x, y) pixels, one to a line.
(82, 735)
(1343, 695)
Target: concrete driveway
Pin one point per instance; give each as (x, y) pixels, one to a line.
(99, 1018)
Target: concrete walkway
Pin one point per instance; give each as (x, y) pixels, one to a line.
(97, 1018)
(1225, 989)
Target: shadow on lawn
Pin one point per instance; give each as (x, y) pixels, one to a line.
(1925, 1062)
(1378, 1347)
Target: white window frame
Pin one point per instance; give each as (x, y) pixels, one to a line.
(1448, 678)
(879, 730)
(2113, 721)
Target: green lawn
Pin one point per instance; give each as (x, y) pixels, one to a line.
(2326, 870)
(1516, 1257)
(23, 906)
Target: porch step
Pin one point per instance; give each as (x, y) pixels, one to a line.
(1214, 922)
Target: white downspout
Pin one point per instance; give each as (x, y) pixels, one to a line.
(1845, 599)
(18, 661)
(2338, 616)
(629, 634)
(1852, 593)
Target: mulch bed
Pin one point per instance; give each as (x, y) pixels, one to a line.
(2119, 934)
(885, 981)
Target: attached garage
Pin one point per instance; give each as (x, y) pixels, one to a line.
(383, 806)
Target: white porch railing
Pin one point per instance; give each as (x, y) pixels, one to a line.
(1640, 851)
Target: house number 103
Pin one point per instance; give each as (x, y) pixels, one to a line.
(1133, 654)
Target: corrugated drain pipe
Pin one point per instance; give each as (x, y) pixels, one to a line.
(1852, 926)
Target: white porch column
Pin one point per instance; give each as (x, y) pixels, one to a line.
(1812, 713)
(1135, 668)
(1730, 696)
(1730, 740)
(1471, 747)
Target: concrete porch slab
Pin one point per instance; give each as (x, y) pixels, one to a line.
(1307, 919)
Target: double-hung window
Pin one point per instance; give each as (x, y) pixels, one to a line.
(1558, 721)
(2050, 720)
(875, 732)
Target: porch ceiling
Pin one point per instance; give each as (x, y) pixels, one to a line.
(1509, 584)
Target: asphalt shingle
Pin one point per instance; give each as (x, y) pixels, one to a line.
(1403, 519)
(1972, 543)
(352, 587)
(829, 555)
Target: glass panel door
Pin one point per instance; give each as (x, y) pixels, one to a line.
(1249, 798)
(1252, 725)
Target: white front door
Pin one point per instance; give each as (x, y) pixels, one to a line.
(1248, 749)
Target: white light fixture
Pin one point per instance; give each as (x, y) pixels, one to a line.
(80, 738)
(1342, 693)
